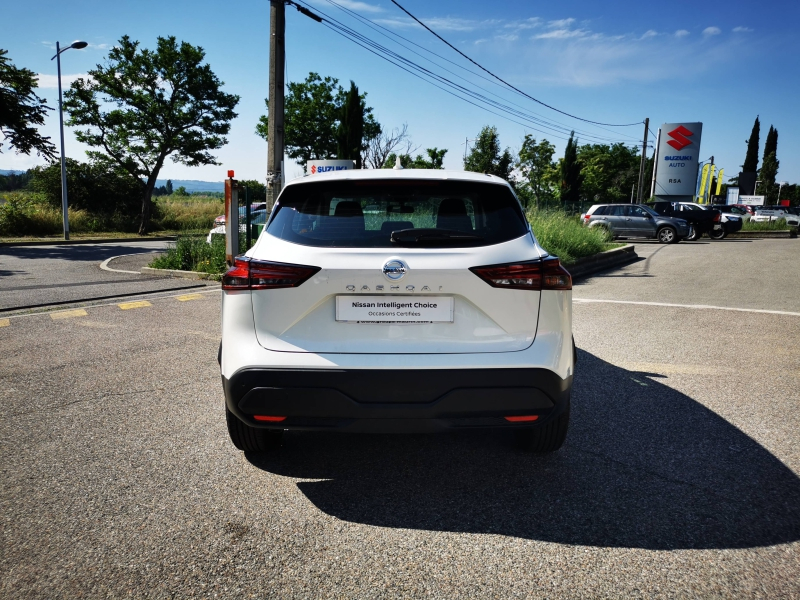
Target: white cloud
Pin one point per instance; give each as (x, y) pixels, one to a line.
(562, 34)
(440, 23)
(529, 23)
(50, 82)
(560, 23)
(354, 5)
(709, 31)
(507, 37)
(742, 30)
(648, 34)
(681, 33)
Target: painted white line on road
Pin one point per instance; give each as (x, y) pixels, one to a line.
(692, 306)
(105, 267)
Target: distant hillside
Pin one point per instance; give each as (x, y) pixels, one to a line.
(6, 172)
(192, 185)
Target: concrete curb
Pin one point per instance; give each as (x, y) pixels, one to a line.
(175, 273)
(602, 261)
(782, 234)
(165, 238)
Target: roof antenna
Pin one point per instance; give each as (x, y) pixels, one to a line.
(397, 165)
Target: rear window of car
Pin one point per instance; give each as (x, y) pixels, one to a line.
(597, 210)
(364, 214)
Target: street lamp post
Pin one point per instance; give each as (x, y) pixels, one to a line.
(77, 45)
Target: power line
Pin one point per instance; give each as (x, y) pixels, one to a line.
(410, 66)
(385, 31)
(508, 84)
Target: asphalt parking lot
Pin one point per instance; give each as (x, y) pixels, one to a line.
(33, 276)
(679, 477)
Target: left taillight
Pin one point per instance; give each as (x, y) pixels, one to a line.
(246, 274)
(547, 274)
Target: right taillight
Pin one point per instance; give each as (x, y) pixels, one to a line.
(246, 274)
(547, 274)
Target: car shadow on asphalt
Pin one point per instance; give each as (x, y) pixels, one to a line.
(644, 466)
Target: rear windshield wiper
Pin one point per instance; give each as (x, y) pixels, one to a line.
(422, 236)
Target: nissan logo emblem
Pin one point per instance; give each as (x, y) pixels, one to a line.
(394, 269)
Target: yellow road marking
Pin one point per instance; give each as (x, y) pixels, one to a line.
(137, 304)
(68, 314)
(5, 322)
(188, 297)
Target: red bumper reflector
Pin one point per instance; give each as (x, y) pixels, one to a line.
(521, 419)
(269, 418)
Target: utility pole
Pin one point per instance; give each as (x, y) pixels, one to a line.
(643, 161)
(655, 164)
(277, 62)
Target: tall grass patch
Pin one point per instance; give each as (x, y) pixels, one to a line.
(564, 236)
(182, 213)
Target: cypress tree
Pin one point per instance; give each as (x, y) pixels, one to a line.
(771, 145)
(751, 159)
(570, 172)
(351, 127)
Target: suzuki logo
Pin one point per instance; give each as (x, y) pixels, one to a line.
(679, 135)
(313, 169)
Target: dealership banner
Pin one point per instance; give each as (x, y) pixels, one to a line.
(678, 159)
(315, 166)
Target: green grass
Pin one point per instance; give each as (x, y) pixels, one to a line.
(192, 253)
(564, 236)
(779, 225)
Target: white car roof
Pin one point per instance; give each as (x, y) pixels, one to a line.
(380, 174)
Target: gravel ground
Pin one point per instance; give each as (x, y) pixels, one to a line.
(679, 477)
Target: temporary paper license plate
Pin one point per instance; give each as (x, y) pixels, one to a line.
(394, 309)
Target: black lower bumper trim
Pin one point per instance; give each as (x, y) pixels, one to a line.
(395, 400)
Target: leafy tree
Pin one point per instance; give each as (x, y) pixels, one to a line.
(312, 113)
(486, 157)
(751, 159)
(535, 163)
(143, 106)
(14, 181)
(21, 110)
(608, 172)
(570, 172)
(168, 187)
(350, 133)
(181, 191)
(256, 190)
(97, 187)
(434, 160)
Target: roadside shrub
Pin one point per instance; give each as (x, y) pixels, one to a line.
(192, 253)
(780, 224)
(564, 236)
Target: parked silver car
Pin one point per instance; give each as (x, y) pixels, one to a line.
(636, 221)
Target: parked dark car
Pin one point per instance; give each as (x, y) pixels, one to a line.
(636, 221)
(701, 220)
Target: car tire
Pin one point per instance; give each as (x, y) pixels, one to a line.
(717, 234)
(694, 234)
(667, 235)
(547, 438)
(252, 439)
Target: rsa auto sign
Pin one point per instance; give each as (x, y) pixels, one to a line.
(678, 159)
(324, 166)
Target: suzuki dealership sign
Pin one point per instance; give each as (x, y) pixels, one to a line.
(324, 166)
(678, 159)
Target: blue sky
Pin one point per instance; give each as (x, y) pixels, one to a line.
(614, 62)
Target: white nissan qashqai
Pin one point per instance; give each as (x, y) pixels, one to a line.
(397, 301)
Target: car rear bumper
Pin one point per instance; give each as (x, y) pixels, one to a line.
(420, 400)
(733, 226)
